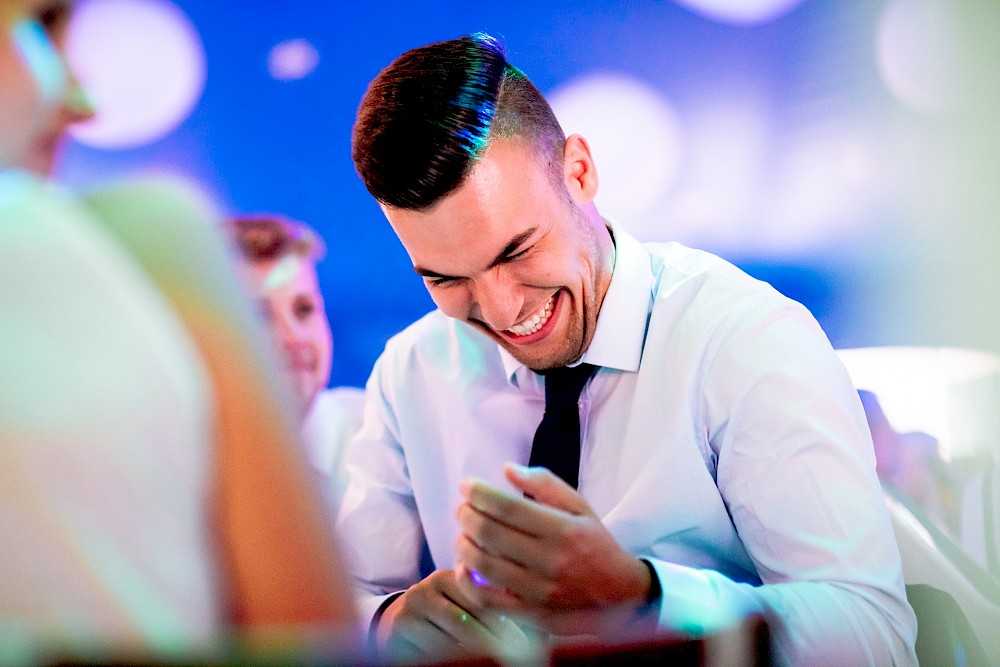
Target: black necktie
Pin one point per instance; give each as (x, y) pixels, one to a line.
(557, 441)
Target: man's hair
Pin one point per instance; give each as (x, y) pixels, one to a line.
(265, 237)
(431, 114)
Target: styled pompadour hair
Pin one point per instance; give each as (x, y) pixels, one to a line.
(432, 113)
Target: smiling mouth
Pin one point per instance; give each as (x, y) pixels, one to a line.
(535, 321)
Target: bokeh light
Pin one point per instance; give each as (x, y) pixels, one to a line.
(824, 192)
(740, 12)
(292, 59)
(635, 136)
(918, 46)
(726, 153)
(142, 63)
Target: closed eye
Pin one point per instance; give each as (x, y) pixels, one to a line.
(517, 255)
(441, 281)
(435, 279)
(521, 240)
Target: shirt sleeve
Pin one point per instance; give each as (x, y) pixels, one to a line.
(795, 468)
(377, 519)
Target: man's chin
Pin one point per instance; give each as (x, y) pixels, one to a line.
(305, 392)
(536, 356)
(539, 360)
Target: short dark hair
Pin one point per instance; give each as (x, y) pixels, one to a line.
(430, 115)
(266, 237)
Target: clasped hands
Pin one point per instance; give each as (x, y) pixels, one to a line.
(546, 557)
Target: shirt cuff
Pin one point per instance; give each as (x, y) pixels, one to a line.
(650, 612)
(697, 601)
(376, 617)
(655, 589)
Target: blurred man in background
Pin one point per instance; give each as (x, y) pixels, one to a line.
(280, 257)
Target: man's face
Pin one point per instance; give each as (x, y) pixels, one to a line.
(289, 291)
(508, 252)
(32, 77)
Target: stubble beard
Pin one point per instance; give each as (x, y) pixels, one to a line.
(569, 343)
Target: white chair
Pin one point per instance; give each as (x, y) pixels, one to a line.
(980, 518)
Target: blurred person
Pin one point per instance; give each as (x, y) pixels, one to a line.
(884, 436)
(153, 501)
(280, 257)
(74, 107)
(32, 77)
(911, 467)
(722, 461)
(925, 477)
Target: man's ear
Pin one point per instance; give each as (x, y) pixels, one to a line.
(580, 172)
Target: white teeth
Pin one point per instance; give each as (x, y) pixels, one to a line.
(532, 324)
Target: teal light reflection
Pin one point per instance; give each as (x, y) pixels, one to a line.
(41, 58)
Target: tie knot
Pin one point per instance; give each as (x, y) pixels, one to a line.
(564, 384)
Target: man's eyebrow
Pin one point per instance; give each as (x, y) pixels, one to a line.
(427, 273)
(513, 245)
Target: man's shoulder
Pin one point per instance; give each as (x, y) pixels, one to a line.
(701, 300)
(333, 418)
(437, 342)
(433, 329)
(38, 216)
(341, 400)
(682, 272)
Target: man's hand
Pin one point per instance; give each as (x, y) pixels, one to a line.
(435, 619)
(548, 557)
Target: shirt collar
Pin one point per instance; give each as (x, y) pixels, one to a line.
(621, 324)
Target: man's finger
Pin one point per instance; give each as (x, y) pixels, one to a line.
(515, 644)
(490, 597)
(546, 488)
(518, 512)
(421, 638)
(465, 629)
(502, 574)
(500, 539)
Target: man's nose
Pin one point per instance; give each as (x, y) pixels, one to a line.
(498, 301)
(78, 105)
(288, 329)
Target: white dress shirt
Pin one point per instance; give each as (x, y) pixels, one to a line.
(334, 416)
(722, 440)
